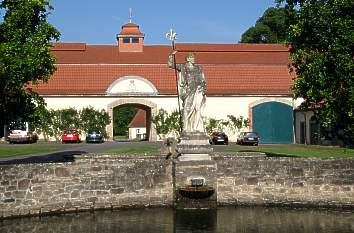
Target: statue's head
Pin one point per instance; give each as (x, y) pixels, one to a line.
(190, 58)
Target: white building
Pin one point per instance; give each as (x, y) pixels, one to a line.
(137, 126)
(249, 80)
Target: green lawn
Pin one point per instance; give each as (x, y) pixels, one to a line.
(296, 150)
(7, 150)
(120, 137)
(135, 149)
(20, 149)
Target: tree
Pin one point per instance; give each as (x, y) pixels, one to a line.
(69, 119)
(270, 28)
(54, 122)
(321, 40)
(42, 121)
(122, 117)
(214, 125)
(25, 58)
(237, 123)
(232, 123)
(161, 122)
(174, 123)
(166, 123)
(91, 119)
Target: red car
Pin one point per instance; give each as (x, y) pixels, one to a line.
(70, 135)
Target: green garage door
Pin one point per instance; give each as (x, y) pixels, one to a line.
(273, 121)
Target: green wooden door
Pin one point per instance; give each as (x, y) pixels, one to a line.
(273, 121)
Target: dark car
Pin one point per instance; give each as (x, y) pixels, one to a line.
(248, 138)
(70, 135)
(94, 136)
(219, 138)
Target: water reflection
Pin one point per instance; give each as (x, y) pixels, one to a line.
(270, 220)
(230, 219)
(203, 221)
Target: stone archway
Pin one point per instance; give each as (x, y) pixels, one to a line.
(148, 106)
(265, 100)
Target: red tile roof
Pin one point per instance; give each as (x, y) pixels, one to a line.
(139, 120)
(130, 29)
(235, 69)
(69, 47)
(221, 79)
(157, 54)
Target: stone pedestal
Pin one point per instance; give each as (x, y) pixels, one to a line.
(195, 164)
(194, 146)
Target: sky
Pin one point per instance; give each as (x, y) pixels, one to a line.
(206, 21)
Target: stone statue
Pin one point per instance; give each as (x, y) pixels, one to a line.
(192, 88)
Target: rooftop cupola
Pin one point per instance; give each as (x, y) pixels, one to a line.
(130, 39)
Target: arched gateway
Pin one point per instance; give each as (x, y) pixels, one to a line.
(148, 106)
(133, 89)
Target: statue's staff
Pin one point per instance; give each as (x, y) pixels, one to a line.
(172, 36)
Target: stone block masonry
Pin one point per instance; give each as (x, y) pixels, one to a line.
(128, 181)
(90, 182)
(312, 182)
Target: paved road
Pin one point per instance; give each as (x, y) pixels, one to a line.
(68, 150)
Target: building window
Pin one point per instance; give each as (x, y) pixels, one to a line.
(126, 40)
(135, 40)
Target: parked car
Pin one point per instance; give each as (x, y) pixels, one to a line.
(219, 138)
(21, 133)
(94, 136)
(70, 135)
(251, 138)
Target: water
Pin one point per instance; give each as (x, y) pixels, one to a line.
(228, 219)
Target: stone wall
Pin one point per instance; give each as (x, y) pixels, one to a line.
(114, 181)
(260, 180)
(90, 182)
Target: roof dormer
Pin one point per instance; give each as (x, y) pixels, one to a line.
(130, 39)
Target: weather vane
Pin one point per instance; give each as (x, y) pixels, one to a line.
(130, 15)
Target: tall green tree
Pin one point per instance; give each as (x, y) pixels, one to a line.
(321, 40)
(122, 116)
(25, 37)
(270, 28)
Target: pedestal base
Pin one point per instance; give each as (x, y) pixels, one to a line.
(194, 143)
(195, 164)
(194, 157)
(185, 172)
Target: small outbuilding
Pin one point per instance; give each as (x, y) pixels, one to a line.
(137, 127)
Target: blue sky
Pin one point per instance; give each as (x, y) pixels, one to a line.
(215, 21)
